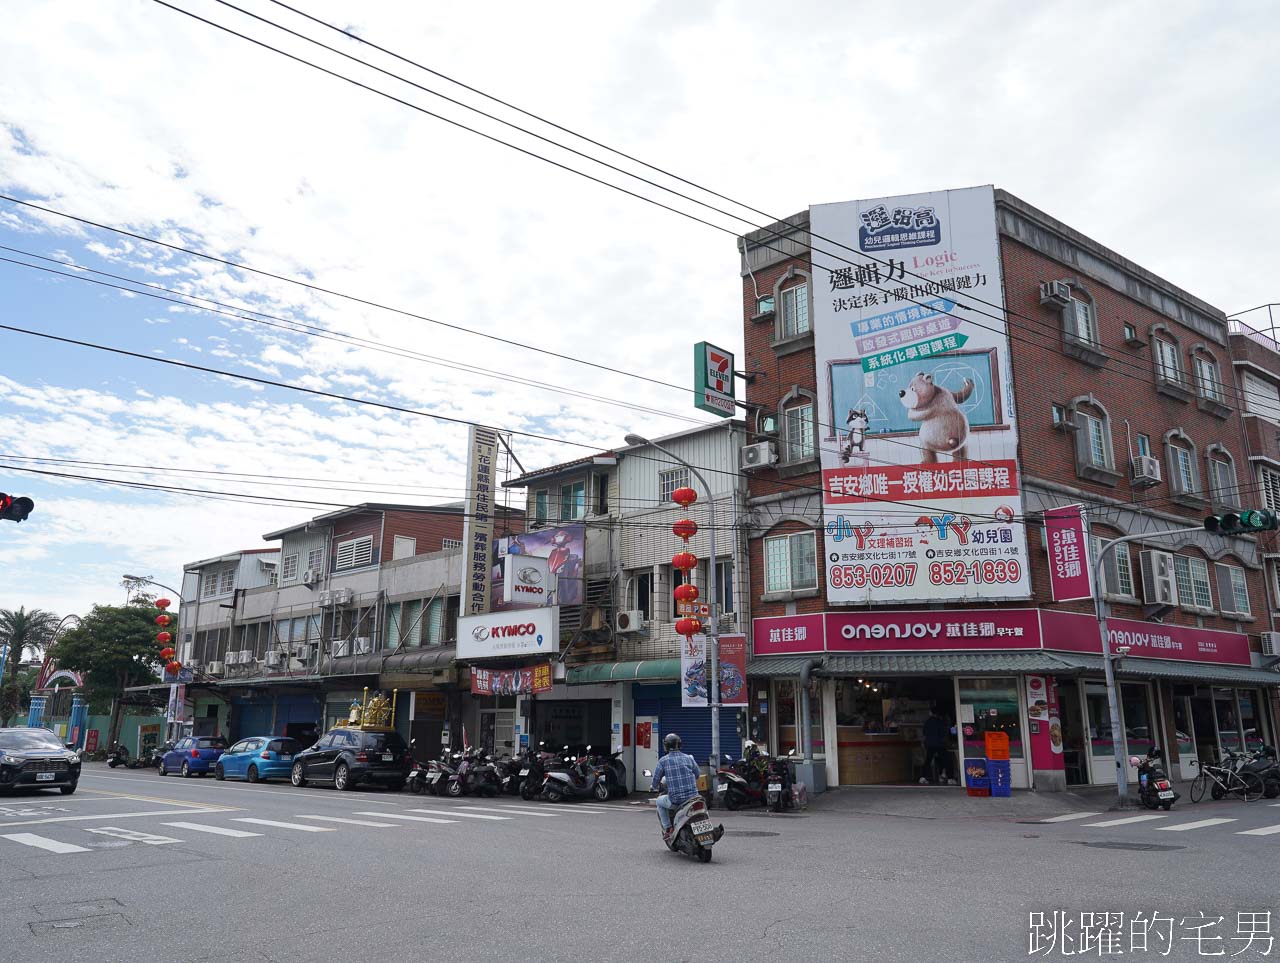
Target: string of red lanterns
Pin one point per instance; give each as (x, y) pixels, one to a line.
(164, 637)
(685, 561)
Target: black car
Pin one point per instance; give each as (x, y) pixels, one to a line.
(349, 757)
(35, 759)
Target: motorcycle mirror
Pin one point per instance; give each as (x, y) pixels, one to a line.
(649, 772)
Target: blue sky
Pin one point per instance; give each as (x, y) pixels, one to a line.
(1154, 132)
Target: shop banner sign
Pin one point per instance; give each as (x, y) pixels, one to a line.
(526, 580)
(477, 525)
(524, 680)
(1070, 574)
(733, 670)
(519, 632)
(713, 388)
(788, 635)
(693, 672)
(917, 431)
(939, 630)
(564, 549)
(1145, 640)
(177, 704)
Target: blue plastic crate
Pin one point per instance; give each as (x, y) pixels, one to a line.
(999, 789)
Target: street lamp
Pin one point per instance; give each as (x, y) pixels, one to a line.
(713, 630)
(133, 581)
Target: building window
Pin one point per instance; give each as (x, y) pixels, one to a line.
(797, 429)
(764, 305)
(209, 584)
(540, 505)
(644, 595)
(449, 544)
(1098, 440)
(724, 586)
(289, 570)
(403, 546)
(227, 581)
(1130, 333)
(1181, 456)
(1084, 323)
(1261, 397)
(355, 552)
(1193, 582)
(1208, 384)
(1117, 572)
(669, 480)
(1269, 482)
(1222, 476)
(1233, 589)
(1144, 445)
(795, 310)
(1095, 459)
(573, 501)
(602, 494)
(315, 560)
(1168, 361)
(790, 562)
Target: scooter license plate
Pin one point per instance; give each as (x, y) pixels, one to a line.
(1167, 794)
(44, 777)
(524, 772)
(702, 827)
(433, 777)
(775, 787)
(722, 788)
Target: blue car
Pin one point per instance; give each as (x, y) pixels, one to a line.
(257, 758)
(192, 755)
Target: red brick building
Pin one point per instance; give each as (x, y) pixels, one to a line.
(965, 350)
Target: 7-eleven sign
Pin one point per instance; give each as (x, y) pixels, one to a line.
(713, 379)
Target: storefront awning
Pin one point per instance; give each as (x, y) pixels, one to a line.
(940, 663)
(654, 670)
(780, 665)
(1176, 671)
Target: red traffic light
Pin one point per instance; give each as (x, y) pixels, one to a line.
(15, 509)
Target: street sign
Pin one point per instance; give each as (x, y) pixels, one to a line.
(713, 380)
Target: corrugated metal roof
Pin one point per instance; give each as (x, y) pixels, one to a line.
(652, 669)
(940, 663)
(1141, 668)
(779, 665)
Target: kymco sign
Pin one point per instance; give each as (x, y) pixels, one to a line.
(520, 632)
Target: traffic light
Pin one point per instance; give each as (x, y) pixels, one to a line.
(1244, 522)
(15, 509)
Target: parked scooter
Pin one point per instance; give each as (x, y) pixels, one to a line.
(577, 780)
(157, 755)
(692, 832)
(778, 788)
(117, 756)
(1154, 788)
(533, 773)
(614, 772)
(475, 774)
(741, 784)
(1264, 766)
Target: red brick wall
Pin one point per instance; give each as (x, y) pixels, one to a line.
(431, 528)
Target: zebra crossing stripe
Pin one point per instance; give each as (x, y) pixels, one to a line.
(457, 812)
(215, 830)
(1261, 831)
(42, 842)
(511, 812)
(134, 836)
(1127, 820)
(351, 822)
(537, 811)
(415, 819)
(1198, 824)
(1068, 817)
(275, 822)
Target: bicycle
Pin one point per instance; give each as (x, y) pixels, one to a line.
(1226, 780)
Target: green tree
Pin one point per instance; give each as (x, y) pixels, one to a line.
(26, 634)
(15, 699)
(115, 647)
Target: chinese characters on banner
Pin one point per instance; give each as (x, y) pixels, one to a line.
(918, 435)
(733, 670)
(530, 679)
(477, 526)
(1070, 574)
(693, 671)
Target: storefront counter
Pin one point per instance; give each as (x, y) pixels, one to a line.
(868, 758)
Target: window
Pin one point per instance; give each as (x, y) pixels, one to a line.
(273, 577)
(227, 582)
(1207, 383)
(1182, 464)
(402, 546)
(1094, 457)
(290, 569)
(795, 310)
(1222, 476)
(1099, 445)
(764, 305)
(1084, 324)
(1233, 589)
(669, 480)
(790, 563)
(1270, 483)
(355, 552)
(1193, 582)
(1144, 445)
(1261, 397)
(644, 594)
(209, 584)
(539, 506)
(449, 544)
(573, 501)
(1130, 333)
(315, 560)
(724, 586)
(797, 429)
(602, 494)
(1168, 361)
(1117, 572)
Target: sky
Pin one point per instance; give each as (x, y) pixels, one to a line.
(1150, 127)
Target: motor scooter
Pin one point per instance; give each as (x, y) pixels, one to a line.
(118, 756)
(740, 784)
(692, 832)
(577, 780)
(1154, 788)
(533, 773)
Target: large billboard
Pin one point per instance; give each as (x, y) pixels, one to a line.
(565, 550)
(477, 525)
(917, 430)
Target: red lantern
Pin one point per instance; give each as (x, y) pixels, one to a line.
(163, 619)
(688, 592)
(688, 626)
(166, 653)
(173, 668)
(683, 561)
(163, 603)
(163, 637)
(686, 528)
(684, 497)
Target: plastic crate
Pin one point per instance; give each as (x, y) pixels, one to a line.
(1004, 790)
(996, 745)
(979, 790)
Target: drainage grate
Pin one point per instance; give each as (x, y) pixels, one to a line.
(755, 833)
(1137, 847)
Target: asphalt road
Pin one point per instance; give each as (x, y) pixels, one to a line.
(139, 868)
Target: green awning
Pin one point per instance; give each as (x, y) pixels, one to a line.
(940, 663)
(1176, 671)
(652, 670)
(779, 665)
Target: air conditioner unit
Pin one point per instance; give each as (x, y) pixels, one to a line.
(341, 648)
(310, 577)
(631, 621)
(273, 657)
(326, 599)
(1145, 471)
(344, 596)
(232, 658)
(246, 656)
(1159, 586)
(295, 665)
(1271, 643)
(364, 646)
(215, 668)
(759, 455)
(299, 648)
(1055, 294)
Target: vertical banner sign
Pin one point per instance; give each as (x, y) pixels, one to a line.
(1070, 573)
(713, 380)
(477, 527)
(733, 670)
(693, 672)
(916, 423)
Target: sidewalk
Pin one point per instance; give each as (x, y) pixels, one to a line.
(952, 802)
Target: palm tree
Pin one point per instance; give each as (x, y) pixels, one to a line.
(25, 633)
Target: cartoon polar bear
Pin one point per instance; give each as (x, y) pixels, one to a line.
(944, 427)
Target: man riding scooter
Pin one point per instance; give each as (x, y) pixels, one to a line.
(681, 772)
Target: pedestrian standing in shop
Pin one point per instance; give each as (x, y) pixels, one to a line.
(937, 757)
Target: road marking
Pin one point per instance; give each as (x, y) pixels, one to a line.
(189, 811)
(517, 812)
(1068, 817)
(41, 842)
(275, 822)
(216, 830)
(456, 812)
(1263, 831)
(1128, 819)
(541, 811)
(134, 836)
(416, 819)
(351, 822)
(1198, 824)
(590, 809)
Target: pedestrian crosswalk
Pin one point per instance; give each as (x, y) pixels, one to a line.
(1241, 819)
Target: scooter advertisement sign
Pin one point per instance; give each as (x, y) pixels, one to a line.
(693, 672)
(733, 670)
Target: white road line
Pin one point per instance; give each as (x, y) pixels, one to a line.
(216, 830)
(1198, 824)
(1128, 819)
(275, 822)
(589, 809)
(1262, 831)
(351, 822)
(514, 812)
(416, 819)
(187, 811)
(133, 836)
(458, 812)
(1068, 817)
(41, 842)
(537, 810)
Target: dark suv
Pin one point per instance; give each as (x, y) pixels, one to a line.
(33, 758)
(349, 757)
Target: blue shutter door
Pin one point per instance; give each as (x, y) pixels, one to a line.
(692, 725)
